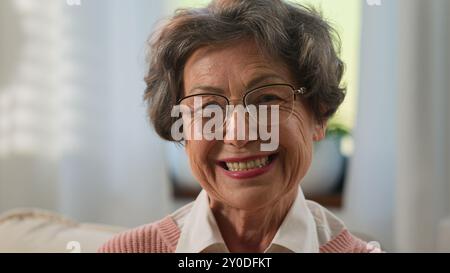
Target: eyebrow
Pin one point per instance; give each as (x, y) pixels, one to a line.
(250, 85)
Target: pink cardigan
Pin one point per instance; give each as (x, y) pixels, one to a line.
(162, 237)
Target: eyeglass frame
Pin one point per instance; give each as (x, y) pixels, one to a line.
(300, 91)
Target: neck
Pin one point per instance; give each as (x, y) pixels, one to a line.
(251, 230)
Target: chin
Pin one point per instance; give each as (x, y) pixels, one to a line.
(250, 198)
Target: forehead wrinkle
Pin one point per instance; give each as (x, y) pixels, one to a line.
(230, 68)
(201, 72)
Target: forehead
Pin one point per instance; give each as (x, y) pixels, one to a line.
(237, 61)
(229, 53)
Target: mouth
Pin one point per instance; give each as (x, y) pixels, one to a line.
(249, 167)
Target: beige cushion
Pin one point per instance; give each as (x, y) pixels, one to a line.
(39, 231)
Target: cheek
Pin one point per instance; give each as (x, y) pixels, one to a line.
(202, 167)
(296, 136)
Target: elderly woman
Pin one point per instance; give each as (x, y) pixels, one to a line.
(249, 53)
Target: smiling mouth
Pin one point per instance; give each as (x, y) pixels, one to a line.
(249, 164)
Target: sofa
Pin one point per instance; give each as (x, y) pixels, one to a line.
(31, 230)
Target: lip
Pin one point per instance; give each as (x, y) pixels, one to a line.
(240, 175)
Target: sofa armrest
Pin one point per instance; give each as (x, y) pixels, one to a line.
(39, 231)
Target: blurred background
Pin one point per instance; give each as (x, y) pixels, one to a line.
(74, 137)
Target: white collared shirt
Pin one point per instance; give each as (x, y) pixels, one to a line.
(306, 226)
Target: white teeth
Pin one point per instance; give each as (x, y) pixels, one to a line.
(248, 165)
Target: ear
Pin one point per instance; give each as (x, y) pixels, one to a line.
(320, 129)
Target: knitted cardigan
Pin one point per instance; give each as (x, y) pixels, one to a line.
(162, 237)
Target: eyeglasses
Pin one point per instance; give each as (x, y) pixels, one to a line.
(267, 97)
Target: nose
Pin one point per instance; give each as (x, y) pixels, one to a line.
(237, 130)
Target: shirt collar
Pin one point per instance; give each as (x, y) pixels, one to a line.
(200, 232)
(298, 232)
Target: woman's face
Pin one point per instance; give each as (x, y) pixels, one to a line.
(228, 70)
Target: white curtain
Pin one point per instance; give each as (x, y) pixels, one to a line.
(398, 189)
(30, 131)
(74, 135)
(423, 178)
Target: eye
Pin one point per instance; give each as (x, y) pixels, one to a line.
(270, 97)
(267, 99)
(212, 105)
